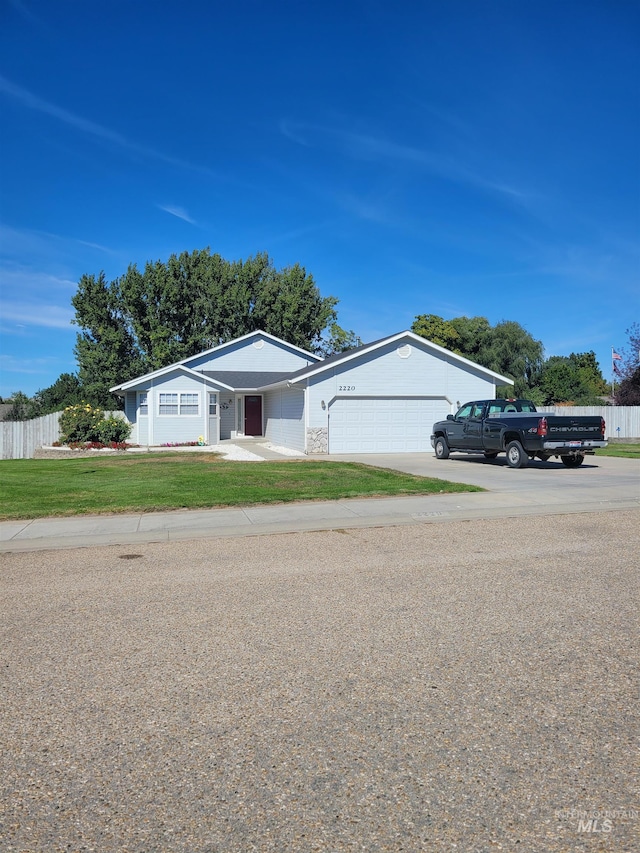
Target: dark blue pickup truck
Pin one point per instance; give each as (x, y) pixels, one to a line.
(515, 427)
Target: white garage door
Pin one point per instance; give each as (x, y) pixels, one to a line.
(383, 424)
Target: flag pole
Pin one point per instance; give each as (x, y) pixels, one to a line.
(613, 376)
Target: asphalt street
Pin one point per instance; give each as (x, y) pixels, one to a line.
(384, 676)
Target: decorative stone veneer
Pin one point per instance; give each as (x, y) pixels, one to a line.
(317, 440)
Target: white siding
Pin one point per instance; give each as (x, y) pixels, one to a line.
(140, 431)
(383, 373)
(177, 428)
(284, 416)
(249, 355)
(227, 409)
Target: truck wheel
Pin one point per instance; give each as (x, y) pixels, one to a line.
(573, 461)
(516, 457)
(490, 454)
(441, 448)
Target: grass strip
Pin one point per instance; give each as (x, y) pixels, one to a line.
(38, 488)
(627, 451)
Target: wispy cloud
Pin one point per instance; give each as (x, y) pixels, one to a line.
(24, 242)
(97, 246)
(32, 298)
(294, 234)
(289, 129)
(11, 364)
(179, 212)
(98, 131)
(364, 208)
(27, 99)
(18, 279)
(371, 148)
(16, 315)
(22, 9)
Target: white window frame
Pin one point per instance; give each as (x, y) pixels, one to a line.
(183, 404)
(179, 402)
(213, 404)
(143, 403)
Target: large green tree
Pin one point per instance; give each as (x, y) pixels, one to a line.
(21, 407)
(507, 348)
(173, 309)
(473, 336)
(65, 391)
(106, 349)
(438, 331)
(576, 378)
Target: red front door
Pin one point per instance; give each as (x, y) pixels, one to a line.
(253, 415)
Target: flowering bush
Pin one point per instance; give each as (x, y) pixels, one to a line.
(82, 424)
(114, 430)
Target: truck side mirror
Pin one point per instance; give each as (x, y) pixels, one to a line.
(450, 417)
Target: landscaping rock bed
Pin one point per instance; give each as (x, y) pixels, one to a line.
(68, 453)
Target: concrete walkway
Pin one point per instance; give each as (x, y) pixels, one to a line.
(542, 489)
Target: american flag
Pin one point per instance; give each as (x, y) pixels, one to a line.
(615, 356)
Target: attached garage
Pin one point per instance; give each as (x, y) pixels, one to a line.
(383, 424)
(384, 397)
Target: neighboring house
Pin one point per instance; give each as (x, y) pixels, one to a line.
(382, 397)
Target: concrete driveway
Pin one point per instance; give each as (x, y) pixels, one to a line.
(600, 480)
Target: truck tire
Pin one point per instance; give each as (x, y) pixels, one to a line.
(516, 457)
(441, 448)
(490, 454)
(573, 461)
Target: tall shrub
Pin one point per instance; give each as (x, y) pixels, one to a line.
(81, 423)
(114, 430)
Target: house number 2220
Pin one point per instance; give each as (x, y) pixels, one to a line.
(346, 387)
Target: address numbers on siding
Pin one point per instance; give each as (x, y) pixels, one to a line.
(346, 387)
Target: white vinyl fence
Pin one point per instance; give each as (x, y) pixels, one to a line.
(21, 438)
(622, 421)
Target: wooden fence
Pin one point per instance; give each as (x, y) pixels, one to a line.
(21, 438)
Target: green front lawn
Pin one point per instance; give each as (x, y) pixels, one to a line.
(34, 488)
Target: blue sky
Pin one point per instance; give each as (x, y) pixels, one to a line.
(454, 158)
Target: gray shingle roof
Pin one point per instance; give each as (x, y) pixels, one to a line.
(247, 379)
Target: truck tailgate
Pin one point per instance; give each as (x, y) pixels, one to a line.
(574, 428)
